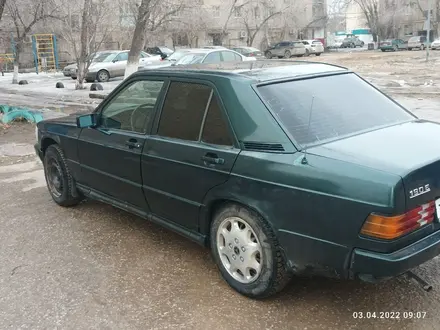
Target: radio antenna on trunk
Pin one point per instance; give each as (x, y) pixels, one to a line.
(304, 160)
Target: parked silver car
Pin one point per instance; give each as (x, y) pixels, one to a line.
(201, 55)
(313, 47)
(419, 42)
(68, 69)
(435, 44)
(286, 49)
(113, 64)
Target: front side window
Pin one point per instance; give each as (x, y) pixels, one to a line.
(133, 108)
(122, 56)
(183, 111)
(332, 114)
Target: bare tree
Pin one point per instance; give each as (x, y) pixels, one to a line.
(2, 8)
(25, 14)
(86, 26)
(190, 22)
(151, 15)
(435, 15)
(231, 10)
(255, 15)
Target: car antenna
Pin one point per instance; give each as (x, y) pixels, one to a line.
(304, 160)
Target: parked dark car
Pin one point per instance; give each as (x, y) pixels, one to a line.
(352, 42)
(249, 52)
(393, 45)
(263, 163)
(163, 51)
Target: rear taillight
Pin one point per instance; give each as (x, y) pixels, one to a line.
(384, 227)
(251, 54)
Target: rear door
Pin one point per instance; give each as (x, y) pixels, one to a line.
(192, 151)
(228, 56)
(110, 155)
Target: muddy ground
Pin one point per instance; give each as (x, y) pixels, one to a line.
(96, 267)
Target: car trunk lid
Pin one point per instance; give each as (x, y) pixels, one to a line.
(410, 150)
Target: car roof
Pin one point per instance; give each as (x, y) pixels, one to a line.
(253, 71)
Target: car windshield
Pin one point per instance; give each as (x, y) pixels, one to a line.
(193, 58)
(104, 57)
(177, 55)
(343, 104)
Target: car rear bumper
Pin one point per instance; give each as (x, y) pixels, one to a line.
(373, 266)
(309, 255)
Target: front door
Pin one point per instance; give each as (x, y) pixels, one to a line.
(192, 152)
(110, 154)
(118, 66)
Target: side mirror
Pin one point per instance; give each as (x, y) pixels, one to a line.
(86, 121)
(115, 60)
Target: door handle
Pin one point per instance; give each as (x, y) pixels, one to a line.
(133, 143)
(211, 158)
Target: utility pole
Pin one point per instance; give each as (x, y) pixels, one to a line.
(428, 29)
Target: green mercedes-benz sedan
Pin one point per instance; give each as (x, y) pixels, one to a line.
(266, 163)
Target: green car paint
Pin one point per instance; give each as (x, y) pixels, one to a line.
(315, 183)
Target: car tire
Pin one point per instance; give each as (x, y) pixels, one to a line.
(103, 76)
(422, 47)
(318, 54)
(307, 52)
(395, 48)
(268, 55)
(287, 54)
(409, 48)
(259, 247)
(74, 78)
(60, 183)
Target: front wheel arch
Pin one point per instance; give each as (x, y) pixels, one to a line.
(46, 142)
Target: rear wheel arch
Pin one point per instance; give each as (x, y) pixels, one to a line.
(216, 205)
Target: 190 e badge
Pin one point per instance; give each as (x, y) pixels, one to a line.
(419, 191)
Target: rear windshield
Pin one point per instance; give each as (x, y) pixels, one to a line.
(414, 39)
(343, 104)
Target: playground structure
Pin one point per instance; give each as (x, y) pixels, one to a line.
(44, 51)
(44, 47)
(5, 60)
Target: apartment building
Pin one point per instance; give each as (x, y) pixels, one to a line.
(260, 22)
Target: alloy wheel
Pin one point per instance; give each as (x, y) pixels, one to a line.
(239, 249)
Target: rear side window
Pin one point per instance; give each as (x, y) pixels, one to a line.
(183, 111)
(230, 57)
(343, 104)
(215, 130)
(213, 57)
